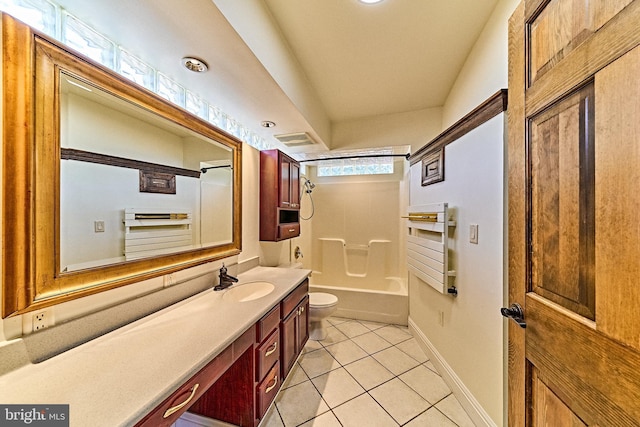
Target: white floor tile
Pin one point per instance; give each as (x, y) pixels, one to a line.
(363, 411)
(372, 325)
(325, 420)
(317, 363)
(431, 366)
(399, 400)
(453, 410)
(412, 348)
(337, 320)
(371, 343)
(337, 387)
(271, 418)
(312, 345)
(431, 418)
(393, 334)
(426, 383)
(333, 336)
(296, 376)
(361, 356)
(346, 352)
(395, 360)
(369, 372)
(352, 329)
(299, 404)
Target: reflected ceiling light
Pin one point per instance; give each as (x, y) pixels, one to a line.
(194, 64)
(370, 1)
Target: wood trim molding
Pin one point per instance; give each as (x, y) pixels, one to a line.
(104, 159)
(494, 105)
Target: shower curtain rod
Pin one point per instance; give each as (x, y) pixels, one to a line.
(204, 170)
(406, 156)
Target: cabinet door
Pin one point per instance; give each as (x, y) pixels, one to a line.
(288, 333)
(303, 324)
(294, 185)
(285, 182)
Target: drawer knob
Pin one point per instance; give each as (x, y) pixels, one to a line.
(176, 408)
(275, 382)
(271, 349)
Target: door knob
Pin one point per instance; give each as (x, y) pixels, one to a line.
(515, 313)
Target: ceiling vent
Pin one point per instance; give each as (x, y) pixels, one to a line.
(295, 139)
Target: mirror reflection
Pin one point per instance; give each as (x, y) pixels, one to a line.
(133, 184)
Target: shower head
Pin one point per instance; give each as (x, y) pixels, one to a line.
(308, 186)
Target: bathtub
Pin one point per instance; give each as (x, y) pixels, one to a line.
(384, 300)
(362, 277)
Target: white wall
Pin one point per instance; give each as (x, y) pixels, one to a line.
(414, 128)
(485, 69)
(470, 341)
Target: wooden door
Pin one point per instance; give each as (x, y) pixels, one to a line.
(574, 212)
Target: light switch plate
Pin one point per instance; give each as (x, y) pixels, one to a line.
(98, 226)
(473, 233)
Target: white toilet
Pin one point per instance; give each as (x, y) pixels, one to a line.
(321, 306)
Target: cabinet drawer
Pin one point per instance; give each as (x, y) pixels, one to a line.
(268, 324)
(267, 390)
(286, 231)
(175, 405)
(291, 301)
(267, 354)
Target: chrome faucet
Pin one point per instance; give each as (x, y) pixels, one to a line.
(225, 280)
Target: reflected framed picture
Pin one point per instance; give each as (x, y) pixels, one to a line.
(157, 182)
(433, 167)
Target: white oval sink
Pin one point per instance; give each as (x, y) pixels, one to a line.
(248, 291)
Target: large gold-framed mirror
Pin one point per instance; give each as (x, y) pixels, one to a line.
(104, 183)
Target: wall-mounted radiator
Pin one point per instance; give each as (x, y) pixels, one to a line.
(152, 232)
(428, 245)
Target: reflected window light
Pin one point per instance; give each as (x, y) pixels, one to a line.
(87, 41)
(136, 70)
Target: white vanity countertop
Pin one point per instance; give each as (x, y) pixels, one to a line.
(119, 377)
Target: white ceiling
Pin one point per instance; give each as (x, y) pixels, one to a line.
(394, 56)
(303, 64)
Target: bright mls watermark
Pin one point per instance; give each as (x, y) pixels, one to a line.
(34, 415)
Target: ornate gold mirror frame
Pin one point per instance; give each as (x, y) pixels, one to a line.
(31, 280)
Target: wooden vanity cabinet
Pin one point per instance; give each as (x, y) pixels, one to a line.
(239, 385)
(267, 358)
(294, 328)
(193, 392)
(279, 196)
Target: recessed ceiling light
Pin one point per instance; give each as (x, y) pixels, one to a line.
(194, 64)
(268, 124)
(370, 1)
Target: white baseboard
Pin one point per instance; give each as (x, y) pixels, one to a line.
(468, 402)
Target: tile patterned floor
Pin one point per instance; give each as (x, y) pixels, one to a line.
(365, 374)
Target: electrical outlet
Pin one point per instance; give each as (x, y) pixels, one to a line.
(169, 280)
(42, 319)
